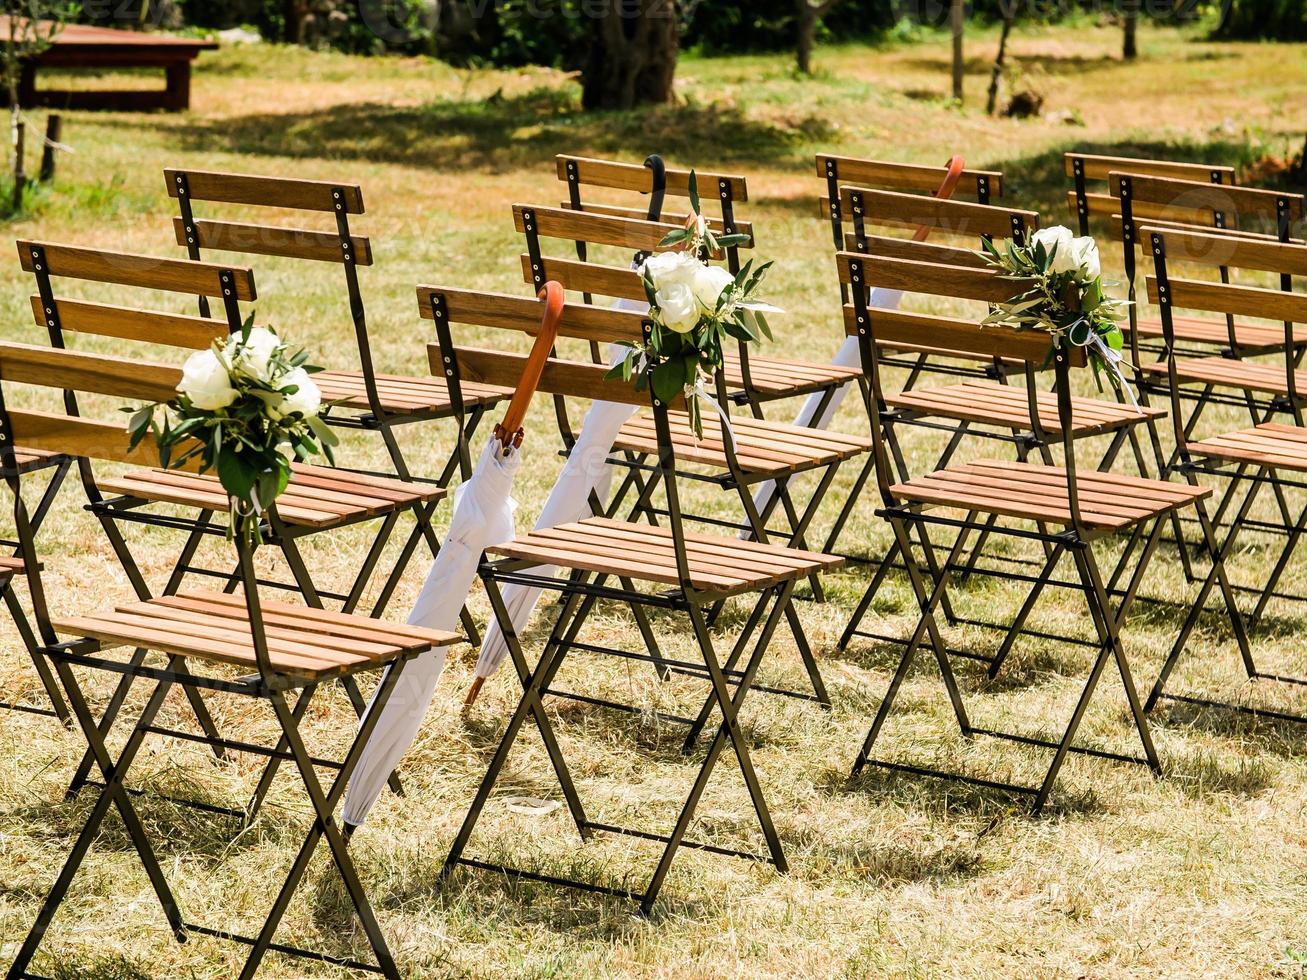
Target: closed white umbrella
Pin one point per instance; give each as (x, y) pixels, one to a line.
(587, 469)
(483, 516)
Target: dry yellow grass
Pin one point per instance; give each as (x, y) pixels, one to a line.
(1198, 874)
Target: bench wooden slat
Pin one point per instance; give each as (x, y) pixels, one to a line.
(900, 176)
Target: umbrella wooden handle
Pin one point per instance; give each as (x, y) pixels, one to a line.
(945, 191)
(509, 431)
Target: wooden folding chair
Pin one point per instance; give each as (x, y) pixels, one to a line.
(366, 399)
(319, 499)
(758, 451)
(753, 379)
(1070, 510)
(1087, 202)
(209, 641)
(654, 567)
(1235, 212)
(28, 461)
(975, 408)
(1266, 455)
(848, 230)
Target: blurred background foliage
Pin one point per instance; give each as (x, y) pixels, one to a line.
(508, 33)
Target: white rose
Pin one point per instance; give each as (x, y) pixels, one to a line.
(709, 283)
(669, 268)
(1058, 242)
(1086, 253)
(205, 381)
(306, 399)
(253, 355)
(678, 307)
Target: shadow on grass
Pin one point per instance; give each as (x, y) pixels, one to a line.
(503, 133)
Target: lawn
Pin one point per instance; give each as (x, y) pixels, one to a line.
(1202, 873)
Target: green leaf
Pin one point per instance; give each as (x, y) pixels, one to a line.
(695, 205)
(236, 475)
(667, 380)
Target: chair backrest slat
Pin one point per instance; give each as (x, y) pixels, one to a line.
(254, 239)
(573, 379)
(596, 229)
(715, 224)
(1206, 197)
(121, 377)
(894, 326)
(587, 277)
(579, 321)
(639, 178)
(908, 248)
(274, 192)
(127, 323)
(938, 279)
(1098, 167)
(1218, 297)
(52, 368)
(145, 271)
(1108, 206)
(1221, 248)
(899, 176)
(961, 218)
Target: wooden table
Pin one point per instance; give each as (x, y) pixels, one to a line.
(82, 46)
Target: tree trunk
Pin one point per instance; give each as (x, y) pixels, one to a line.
(956, 16)
(806, 25)
(293, 13)
(996, 78)
(1129, 47)
(633, 49)
(806, 19)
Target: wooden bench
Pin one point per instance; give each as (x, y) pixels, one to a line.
(84, 47)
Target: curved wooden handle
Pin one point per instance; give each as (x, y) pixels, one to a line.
(509, 432)
(955, 166)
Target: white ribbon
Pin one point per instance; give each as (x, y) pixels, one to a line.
(1113, 359)
(697, 390)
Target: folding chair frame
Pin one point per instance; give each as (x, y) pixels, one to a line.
(582, 591)
(1077, 539)
(110, 511)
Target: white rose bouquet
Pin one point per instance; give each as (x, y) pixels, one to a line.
(1067, 298)
(694, 307)
(246, 406)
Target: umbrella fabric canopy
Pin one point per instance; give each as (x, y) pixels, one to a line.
(586, 469)
(483, 516)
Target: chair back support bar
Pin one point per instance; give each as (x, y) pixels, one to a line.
(1218, 297)
(522, 314)
(1227, 204)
